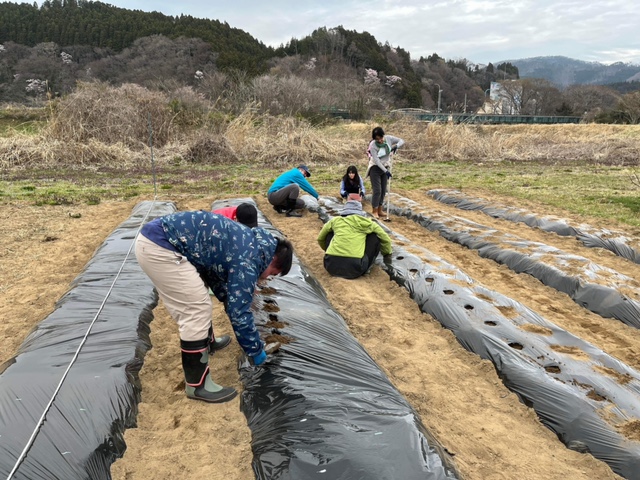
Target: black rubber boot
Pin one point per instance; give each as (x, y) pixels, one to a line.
(291, 209)
(199, 385)
(217, 343)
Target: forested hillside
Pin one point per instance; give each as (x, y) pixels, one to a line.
(563, 71)
(99, 25)
(45, 51)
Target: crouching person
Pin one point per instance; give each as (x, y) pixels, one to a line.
(285, 190)
(352, 242)
(186, 253)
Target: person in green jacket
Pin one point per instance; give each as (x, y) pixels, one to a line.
(352, 242)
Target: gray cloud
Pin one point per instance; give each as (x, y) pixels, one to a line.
(481, 31)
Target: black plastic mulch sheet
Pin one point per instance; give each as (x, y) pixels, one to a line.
(592, 286)
(577, 390)
(616, 242)
(321, 408)
(82, 434)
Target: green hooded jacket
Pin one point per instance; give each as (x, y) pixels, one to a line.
(350, 234)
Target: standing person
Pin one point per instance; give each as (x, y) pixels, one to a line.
(380, 150)
(186, 253)
(352, 184)
(284, 191)
(352, 242)
(245, 213)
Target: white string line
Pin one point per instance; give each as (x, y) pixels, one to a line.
(77, 352)
(86, 335)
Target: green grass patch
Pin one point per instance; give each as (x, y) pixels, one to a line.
(26, 121)
(604, 192)
(632, 203)
(598, 191)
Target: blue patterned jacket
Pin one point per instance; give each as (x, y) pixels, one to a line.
(230, 258)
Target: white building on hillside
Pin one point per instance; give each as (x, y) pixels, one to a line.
(502, 100)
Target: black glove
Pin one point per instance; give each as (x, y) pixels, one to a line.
(394, 149)
(388, 174)
(361, 194)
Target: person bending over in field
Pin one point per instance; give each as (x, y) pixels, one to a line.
(186, 253)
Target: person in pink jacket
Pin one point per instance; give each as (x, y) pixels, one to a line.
(245, 213)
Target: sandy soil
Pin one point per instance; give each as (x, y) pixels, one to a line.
(459, 397)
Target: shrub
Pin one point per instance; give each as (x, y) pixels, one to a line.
(112, 115)
(278, 141)
(210, 150)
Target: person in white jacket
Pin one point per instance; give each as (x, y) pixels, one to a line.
(380, 150)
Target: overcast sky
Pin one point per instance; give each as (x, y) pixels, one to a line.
(481, 31)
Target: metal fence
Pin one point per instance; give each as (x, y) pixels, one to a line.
(475, 118)
(485, 118)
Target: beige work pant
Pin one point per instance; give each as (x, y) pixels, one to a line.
(180, 287)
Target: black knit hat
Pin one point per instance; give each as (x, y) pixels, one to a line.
(247, 214)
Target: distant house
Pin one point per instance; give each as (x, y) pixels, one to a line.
(502, 100)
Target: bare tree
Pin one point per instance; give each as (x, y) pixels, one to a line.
(590, 100)
(630, 107)
(546, 98)
(290, 65)
(529, 96)
(154, 60)
(229, 92)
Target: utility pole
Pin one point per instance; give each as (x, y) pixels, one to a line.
(439, 96)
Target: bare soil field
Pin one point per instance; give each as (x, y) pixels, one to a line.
(460, 398)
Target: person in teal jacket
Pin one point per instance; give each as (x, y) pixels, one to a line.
(352, 242)
(187, 253)
(285, 190)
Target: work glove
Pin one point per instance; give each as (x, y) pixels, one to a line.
(388, 174)
(269, 349)
(258, 359)
(394, 149)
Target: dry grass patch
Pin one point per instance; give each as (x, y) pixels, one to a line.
(23, 152)
(111, 115)
(604, 144)
(210, 149)
(279, 141)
